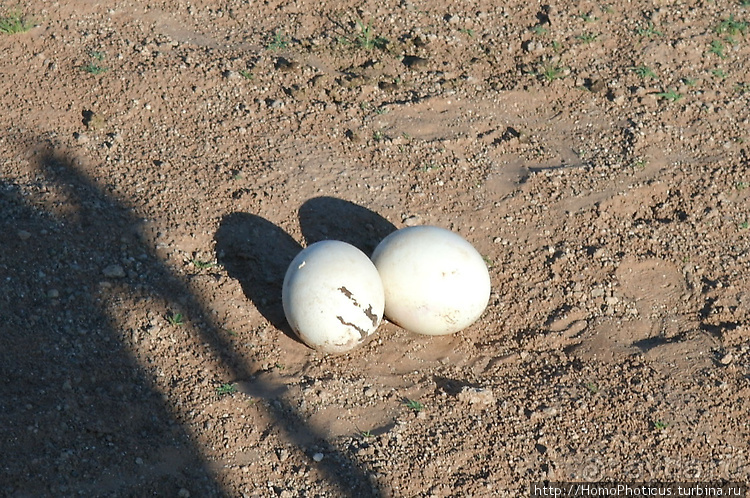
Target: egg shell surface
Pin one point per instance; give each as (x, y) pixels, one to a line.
(435, 281)
(332, 296)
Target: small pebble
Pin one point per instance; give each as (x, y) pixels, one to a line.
(114, 271)
(24, 235)
(318, 457)
(476, 396)
(414, 62)
(727, 359)
(413, 220)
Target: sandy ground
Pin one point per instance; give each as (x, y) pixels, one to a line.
(161, 163)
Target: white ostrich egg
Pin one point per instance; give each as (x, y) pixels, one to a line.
(332, 296)
(435, 282)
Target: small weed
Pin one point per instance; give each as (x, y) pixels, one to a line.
(672, 95)
(551, 72)
(226, 389)
(591, 387)
(556, 46)
(744, 3)
(644, 72)
(366, 38)
(717, 48)
(279, 366)
(741, 185)
(588, 18)
(431, 166)
(742, 88)
(689, 81)
(14, 23)
(202, 265)
(731, 27)
(660, 425)
(94, 69)
(381, 110)
(176, 319)
(230, 332)
(538, 30)
(413, 404)
(488, 261)
(649, 31)
(279, 42)
(366, 434)
(745, 225)
(467, 31)
(378, 136)
(246, 74)
(588, 37)
(719, 73)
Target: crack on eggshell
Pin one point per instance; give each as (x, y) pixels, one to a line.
(372, 316)
(368, 312)
(363, 333)
(450, 317)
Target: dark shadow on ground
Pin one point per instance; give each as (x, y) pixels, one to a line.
(324, 218)
(65, 366)
(257, 254)
(72, 394)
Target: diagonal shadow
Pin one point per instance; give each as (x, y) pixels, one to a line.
(67, 374)
(77, 412)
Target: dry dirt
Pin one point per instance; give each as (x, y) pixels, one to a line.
(162, 162)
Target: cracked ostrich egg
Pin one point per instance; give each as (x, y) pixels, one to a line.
(333, 297)
(435, 282)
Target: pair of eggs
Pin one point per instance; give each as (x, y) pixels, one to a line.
(426, 279)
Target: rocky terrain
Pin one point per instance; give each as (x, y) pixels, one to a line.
(161, 163)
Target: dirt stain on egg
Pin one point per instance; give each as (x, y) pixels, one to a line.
(368, 312)
(362, 332)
